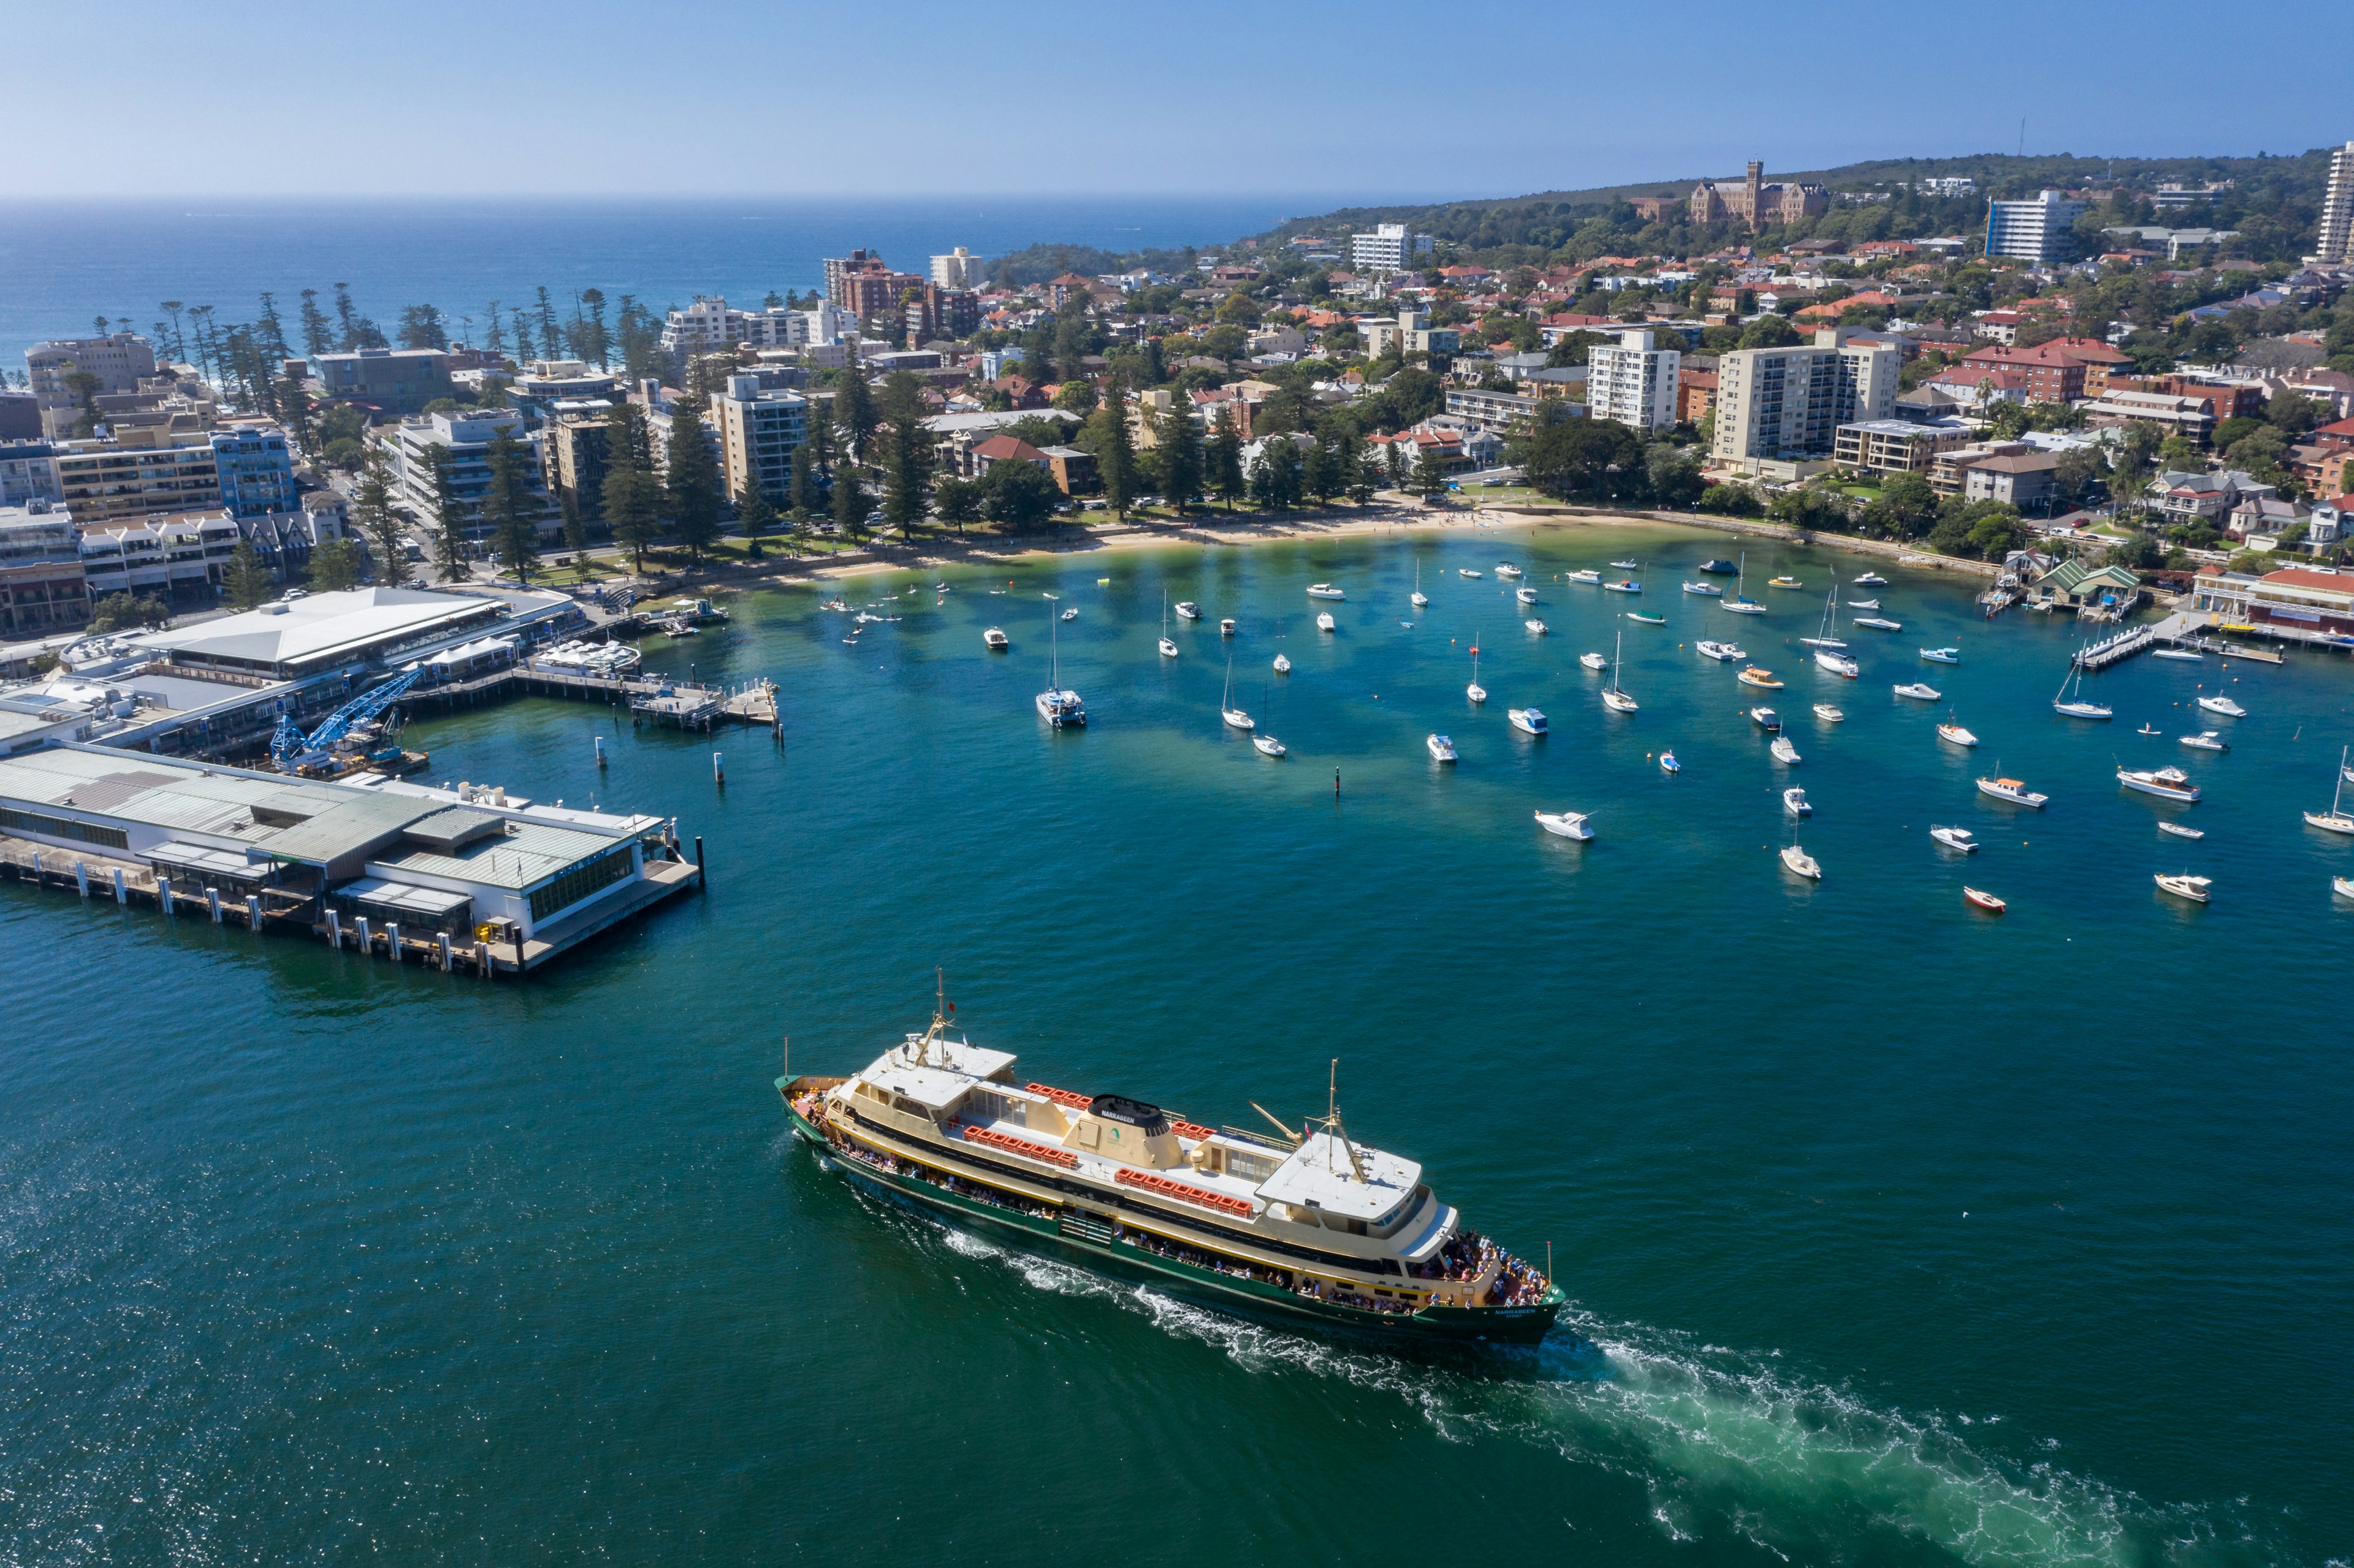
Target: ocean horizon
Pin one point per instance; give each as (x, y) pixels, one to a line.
(64, 263)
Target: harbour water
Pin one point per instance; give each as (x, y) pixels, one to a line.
(1895, 1234)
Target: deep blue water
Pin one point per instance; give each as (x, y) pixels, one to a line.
(61, 264)
(1896, 1233)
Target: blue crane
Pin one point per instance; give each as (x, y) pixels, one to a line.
(290, 742)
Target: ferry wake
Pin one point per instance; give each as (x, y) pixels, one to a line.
(1313, 1224)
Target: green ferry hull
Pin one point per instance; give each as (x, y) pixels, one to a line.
(1097, 1249)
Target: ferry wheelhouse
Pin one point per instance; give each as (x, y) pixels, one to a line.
(1311, 1224)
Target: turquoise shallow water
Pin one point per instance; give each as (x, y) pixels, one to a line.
(1896, 1234)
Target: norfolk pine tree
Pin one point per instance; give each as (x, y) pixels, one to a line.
(1179, 456)
(509, 512)
(450, 536)
(1222, 458)
(906, 454)
(247, 580)
(632, 496)
(695, 489)
(372, 508)
(1118, 459)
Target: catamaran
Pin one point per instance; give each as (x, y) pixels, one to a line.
(1056, 704)
(1311, 1224)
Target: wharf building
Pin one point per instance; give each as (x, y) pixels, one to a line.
(1783, 407)
(429, 873)
(216, 689)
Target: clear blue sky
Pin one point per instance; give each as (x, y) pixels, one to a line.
(1375, 100)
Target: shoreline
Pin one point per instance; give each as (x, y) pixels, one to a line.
(1208, 533)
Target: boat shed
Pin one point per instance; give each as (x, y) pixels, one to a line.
(2073, 584)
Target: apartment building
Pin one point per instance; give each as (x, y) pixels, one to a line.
(29, 472)
(1632, 382)
(468, 438)
(2043, 230)
(1390, 247)
(1781, 405)
(99, 481)
(1411, 333)
(934, 313)
(759, 432)
(2337, 239)
(43, 589)
(254, 469)
(181, 557)
(572, 448)
(1499, 409)
(539, 387)
(1894, 446)
(395, 380)
(960, 269)
(120, 361)
(863, 284)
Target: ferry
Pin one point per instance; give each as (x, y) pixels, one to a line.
(1312, 1224)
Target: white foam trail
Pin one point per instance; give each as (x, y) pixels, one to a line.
(1725, 1444)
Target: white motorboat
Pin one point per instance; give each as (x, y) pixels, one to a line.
(1227, 627)
(1803, 863)
(1072, 613)
(1829, 715)
(1763, 679)
(995, 640)
(1525, 595)
(1836, 663)
(1871, 579)
(1475, 691)
(1506, 570)
(2207, 740)
(2342, 885)
(1920, 691)
(2182, 655)
(1706, 590)
(2220, 703)
(2012, 790)
(2166, 783)
(1627, 586)
(1823, 639)
(1058, 705)
(2076, 706)
(1667, 763)
(1877, 622)
(1613, 696)
(1419, 599)
(1324, 621)
(2179, 831)
(1589, 577)
(1268, 744)
(1795, 801)
(1942, 655)
(1784, 752)
(1233, 716)
(1593, 662)
(1956, 839)
(1954, 735)
(1529, 721)
(2335, 819)
(2193, 889)
(1565, 824)
(1324, 590)
(1724, 653)
(1460, 571)
(1283, 663)
(1628, 566)
(1440, 747)
(1864, 604)
(1188, 611)
(1535, 626)
(1765, 718)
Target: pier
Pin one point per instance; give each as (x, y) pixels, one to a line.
(686, 704)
